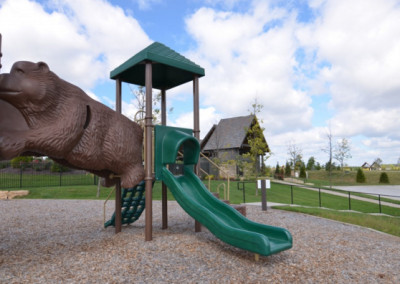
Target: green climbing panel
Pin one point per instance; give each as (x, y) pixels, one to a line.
(133, 204)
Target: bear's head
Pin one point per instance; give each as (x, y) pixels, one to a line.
(29, 87)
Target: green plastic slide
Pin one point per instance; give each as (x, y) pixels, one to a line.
(225, 222)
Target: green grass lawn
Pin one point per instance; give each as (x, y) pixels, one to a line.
(278, 193)
(12, 180)
(390, 225)
(321, 177)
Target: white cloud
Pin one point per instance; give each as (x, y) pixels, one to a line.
(146, 4)
(80, 40)
(360, 43)
(373, 123)
(247, 56)
(351, 54)
(208, 117)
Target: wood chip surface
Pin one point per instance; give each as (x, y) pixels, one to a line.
(63, 241)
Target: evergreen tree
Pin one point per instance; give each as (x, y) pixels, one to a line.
(277, 168)
(288, 170)
(384, 178)
(360, 178)
(255, 139)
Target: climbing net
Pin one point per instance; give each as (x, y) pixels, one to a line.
(133, 204)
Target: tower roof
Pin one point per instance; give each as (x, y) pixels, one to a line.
(169, 69)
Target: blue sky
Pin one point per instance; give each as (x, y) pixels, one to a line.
(314, 65)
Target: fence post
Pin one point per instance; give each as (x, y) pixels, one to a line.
(291, 193)
(21, 168)
(319, 195)
(380, 206)
(60, 175)
(244, 193)
(349, 201)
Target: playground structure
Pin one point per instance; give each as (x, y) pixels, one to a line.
(159, 67)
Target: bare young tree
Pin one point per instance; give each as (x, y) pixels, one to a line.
(140, 104)
(329, 150)
(295, 154)
(342, 151)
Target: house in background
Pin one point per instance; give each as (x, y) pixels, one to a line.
(366, 166)
(375, 167)
(229, 140)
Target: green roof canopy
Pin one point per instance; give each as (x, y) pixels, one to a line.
(170, 69)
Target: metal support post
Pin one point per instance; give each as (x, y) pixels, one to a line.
(118, 197)
(118, 205)
(164, 192)
(196, 128)
(148, 159)
(263, 196)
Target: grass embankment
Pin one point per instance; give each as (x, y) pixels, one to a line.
(321, 177)
(389, 225)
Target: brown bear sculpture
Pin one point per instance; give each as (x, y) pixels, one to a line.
(44, 115)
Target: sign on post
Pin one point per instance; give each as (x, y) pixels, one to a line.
(267, 183)
(263, 185)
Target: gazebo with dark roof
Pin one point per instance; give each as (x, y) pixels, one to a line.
(157, 66)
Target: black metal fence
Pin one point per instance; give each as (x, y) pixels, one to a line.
(351, 197)
(325, 198)
(42, 174)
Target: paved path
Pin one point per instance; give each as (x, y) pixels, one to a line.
(392, 190)
(343, 194)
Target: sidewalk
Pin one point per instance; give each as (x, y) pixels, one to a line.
(269, 204)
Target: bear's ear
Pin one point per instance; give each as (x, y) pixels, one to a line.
(43, 67)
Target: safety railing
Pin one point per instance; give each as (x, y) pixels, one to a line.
(226, 196)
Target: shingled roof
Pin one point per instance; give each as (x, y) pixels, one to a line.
(230, 133)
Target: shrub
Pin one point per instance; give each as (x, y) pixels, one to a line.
(303, 172)
(360, 178)
(209, 177)
(3, 164)
(56, 168)
(384, 178)
(21, 162)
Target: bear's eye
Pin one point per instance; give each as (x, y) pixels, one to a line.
(20, 71)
